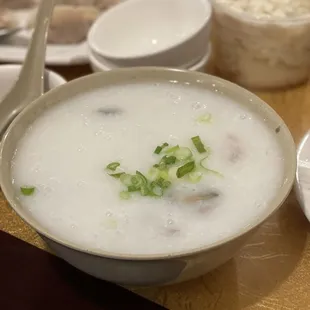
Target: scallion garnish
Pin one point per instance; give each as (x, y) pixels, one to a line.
(116, 175)
(203, 164)
(27, 190)
(126, 179)
(144, 190)
(169, 160)
(138, 173)
(113, 166)
(176, 163)
(171, 150)
(160, 148)
(133, 188)
(183, 153)
(166, 161)
(185, 169)
(195, 176)
(157, 191)
(124, 195)
(205, 118)
(198, 144)
(161, 182)
(153, 173)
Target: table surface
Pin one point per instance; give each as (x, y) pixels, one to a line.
(271, 272)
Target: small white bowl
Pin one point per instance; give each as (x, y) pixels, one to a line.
(100, 65)
(302, 183)
(168, 33)
(9, 75)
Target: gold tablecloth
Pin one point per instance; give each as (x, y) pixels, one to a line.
(272, 272)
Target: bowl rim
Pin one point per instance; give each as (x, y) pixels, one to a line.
(166, 74)
(92, 43)
(59, 79)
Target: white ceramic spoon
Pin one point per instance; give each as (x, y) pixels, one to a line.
(30, 84)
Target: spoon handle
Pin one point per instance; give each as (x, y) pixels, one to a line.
(29, 85)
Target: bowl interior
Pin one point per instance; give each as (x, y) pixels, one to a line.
(146, 27)
(100, 80)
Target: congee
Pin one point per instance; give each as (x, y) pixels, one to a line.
(147, 168)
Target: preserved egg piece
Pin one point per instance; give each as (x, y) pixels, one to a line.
(110, 111)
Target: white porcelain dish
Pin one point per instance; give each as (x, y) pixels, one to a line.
(56, 55)
(302, 183)
(14, 49)
(152, 32)
(100, 65)
(9, 75)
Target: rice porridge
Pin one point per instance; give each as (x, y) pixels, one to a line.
(147, 168)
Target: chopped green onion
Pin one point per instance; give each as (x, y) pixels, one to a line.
(169, 160)
(203, 164)
(124, 195)
(141, 176)
(27, 191)
(166, 161)
(183, 153)
(161, 182)
(157, 191)
(171, 150)
(205, 118)
(164, 174)
(215, 172)
(126, 179)
(144, 190)
(137, 181)
(153, 173)
(198, 144)
(116, 175)
(185, 169)
(172, 172)
(133, 188)
(160, 148)
(195, 176)
(113, 166)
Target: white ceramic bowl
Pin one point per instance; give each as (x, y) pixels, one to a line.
(302, 188)
(100, 65)
(168, 33)
(146, 270)
(9, 75)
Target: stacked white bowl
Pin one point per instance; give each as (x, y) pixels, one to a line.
(166, 33)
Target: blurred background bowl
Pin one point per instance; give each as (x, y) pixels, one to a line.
(171, 33)
(260, 52)
(9, 75)
(99, 64)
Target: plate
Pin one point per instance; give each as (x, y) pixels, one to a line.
(14, 49)
(302, 184)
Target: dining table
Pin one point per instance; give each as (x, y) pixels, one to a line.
(271, 272)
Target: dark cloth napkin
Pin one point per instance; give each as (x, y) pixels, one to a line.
(32, 279)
